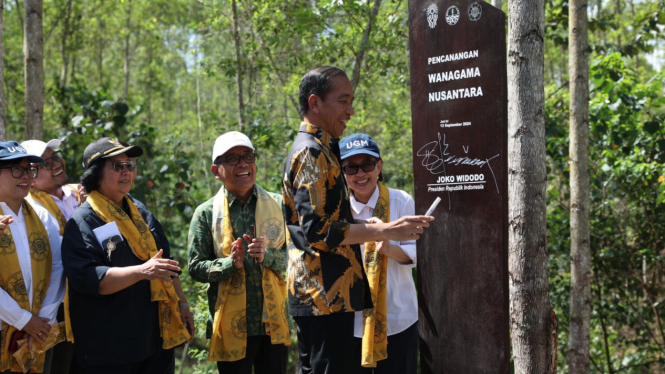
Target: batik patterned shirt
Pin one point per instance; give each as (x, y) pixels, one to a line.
(204, 266)
(324, 276)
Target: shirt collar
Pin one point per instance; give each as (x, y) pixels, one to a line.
(324, 137)
(232, 199)
(358, 207)
(7, 210)
(67, 192)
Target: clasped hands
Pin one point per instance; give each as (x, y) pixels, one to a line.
(256, 249)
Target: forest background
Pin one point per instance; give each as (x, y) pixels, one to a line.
(173, 75)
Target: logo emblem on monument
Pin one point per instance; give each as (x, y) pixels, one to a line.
(432, 15)
(452, 15)
(475, 11)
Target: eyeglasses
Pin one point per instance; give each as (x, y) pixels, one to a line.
(119, 166)
(49, 163)
(367, 166)
(18, 171)
(234, 160)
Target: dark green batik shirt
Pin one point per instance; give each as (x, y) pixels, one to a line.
(204, 266)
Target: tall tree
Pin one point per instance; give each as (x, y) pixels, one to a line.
(3, 121)
(33, 51)
(580, 253)
(63, 43)
(128, 31)
(533, 323)
(239, 68)
(364, 44)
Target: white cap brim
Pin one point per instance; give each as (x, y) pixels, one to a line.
(37, 147)
(230, 140)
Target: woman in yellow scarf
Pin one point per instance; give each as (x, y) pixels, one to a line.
(127, 307)
(31, 281)
(386, 336)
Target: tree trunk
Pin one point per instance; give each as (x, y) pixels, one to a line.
(3, 120)
(33, 46)
(236, 39)
(497, 4)
(63, 43)
(533, 323)
(204, 154)
(580, 253)
(360, 56)
(129, 34)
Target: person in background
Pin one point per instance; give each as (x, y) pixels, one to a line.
(31, 272)
(127, 307)
(51, 191)
(386, 336)
(326, 280)
(246, 293)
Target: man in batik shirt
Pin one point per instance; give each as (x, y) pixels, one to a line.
(326, 280)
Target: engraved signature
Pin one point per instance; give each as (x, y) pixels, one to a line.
(435, 157)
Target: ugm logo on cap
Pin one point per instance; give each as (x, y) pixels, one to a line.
(16, 149)
(357, 143)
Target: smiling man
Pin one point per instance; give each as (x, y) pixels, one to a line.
(50, 191)
(247, 325)
(326, 280)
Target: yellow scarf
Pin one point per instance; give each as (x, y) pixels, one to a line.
(229, 329)
(46, 200)
(11, 280)
(375, 329)
(142, 243)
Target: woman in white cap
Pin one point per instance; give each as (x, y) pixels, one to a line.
(127, 307)
(386, 336)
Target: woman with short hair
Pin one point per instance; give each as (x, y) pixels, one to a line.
(127, 307)
(386, 336)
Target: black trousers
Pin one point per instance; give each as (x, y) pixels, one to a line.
(162, 362)
(402, 354)
(325, 344)
(265, 357)
(64, 354)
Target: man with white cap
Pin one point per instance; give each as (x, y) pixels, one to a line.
(50, 187)
(247, 325)
(50, 191)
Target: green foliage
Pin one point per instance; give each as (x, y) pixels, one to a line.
(626, 122)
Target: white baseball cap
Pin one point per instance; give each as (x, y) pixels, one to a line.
(229, 140)
(37, 147)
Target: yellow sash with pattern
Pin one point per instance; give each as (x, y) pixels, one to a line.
(11, 280)
(46, 200)
(229, 329)
(142, 243)
(375, 329)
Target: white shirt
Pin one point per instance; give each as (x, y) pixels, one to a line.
(10, 311)
(402, 304)
(67, 205)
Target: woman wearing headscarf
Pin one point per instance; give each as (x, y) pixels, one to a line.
(126, 304)
(386, 336)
